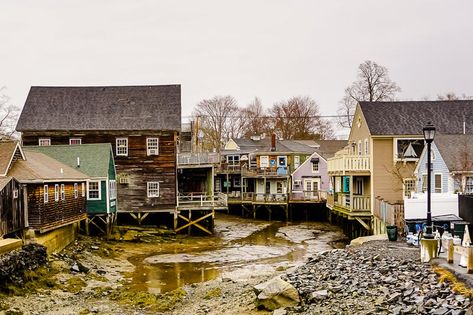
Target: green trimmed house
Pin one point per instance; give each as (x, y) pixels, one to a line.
(96, 161)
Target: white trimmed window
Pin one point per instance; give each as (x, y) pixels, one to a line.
(315, 166)
(297, 161)
(152, 146)
(409, 186)
(44, 141)
(56, 192)
(15, 194)
(73, 141)
(469, 185)
(121, 146)
(63, 192)
(76, 190)
(359, 147)
(113, 189)
(83, 189)
(152, 189)
(93, 190)
(367, 148)
(438, 183)
(45, 193)
(233, 159)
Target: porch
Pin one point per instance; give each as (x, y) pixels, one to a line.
(348, 163)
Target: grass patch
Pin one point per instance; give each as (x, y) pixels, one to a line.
(160, 302)
(74, 285)
(457, 286)
(96, 277)
(34, 280)
(213, 293)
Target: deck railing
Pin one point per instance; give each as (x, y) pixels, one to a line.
(308, 195)
(197, 158)
(267, 171)
(356, 203)
(350, 163)
(198, 199)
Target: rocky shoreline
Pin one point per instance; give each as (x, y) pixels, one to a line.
(378, 277)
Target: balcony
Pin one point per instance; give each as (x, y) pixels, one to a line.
(228, 168)
(349, 163)
(356, 203)
(201, 200)
(265, 172)
(184, 159)
(308, 196)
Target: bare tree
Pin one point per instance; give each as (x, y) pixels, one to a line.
(8, 116)
(451, 96)
(373, 84)
(299, 118)
(218, 120)
(255, 120)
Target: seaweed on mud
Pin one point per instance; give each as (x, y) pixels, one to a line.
(160, 302)
(457, 286)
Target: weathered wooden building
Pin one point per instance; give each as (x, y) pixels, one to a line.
(142, 124)
(96, 161)
(12, 208)
(55, 193)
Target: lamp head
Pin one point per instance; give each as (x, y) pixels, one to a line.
(429, 132)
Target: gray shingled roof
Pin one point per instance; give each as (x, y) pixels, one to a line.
(102, 108)
(456, 151)
(408, 118)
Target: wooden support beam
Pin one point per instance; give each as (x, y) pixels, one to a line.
(450, 252)
(191, 223)
(363, 223)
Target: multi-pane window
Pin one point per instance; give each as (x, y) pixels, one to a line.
(113, 189)
(279, 187)
(218, 185)
(152, 189)
(73, 141)
(56, 192)
(469, 185)
(315, 166)
(438, 183)
(424, 183)
(63, 192)
(367, 148)
(297, 161)
(93, 190)
(152, 146)
(122, 146)
(15, 194)
(359, 147)
(233, 159)
(45, 193)
(76, 190)
(409, 186)
(44, 141)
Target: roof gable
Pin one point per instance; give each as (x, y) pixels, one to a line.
(408, 118)
(94, 159)
(8, 149)
(456, 151)
(102, 108)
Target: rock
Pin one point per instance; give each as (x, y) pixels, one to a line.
(276, 293)
(319, 295)
(94, 247)
(280, 311)
(75, 267)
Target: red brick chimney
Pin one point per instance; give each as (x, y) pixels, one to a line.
(273, 142)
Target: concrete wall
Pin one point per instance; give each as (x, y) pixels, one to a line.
(57, 239)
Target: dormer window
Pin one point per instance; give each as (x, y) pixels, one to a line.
(408, 149)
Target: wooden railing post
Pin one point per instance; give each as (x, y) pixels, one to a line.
(469, 267)
(450, 252)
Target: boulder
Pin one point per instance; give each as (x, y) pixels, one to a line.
(276, 293)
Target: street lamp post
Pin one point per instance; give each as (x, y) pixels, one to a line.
(429, 133)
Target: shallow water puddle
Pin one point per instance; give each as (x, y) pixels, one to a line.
(240, 249)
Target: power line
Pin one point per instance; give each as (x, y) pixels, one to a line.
(272, 117)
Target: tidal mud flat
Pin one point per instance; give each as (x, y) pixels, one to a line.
(171, 274)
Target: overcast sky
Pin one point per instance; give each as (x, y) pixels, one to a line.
(271, 49)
